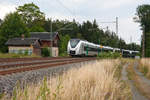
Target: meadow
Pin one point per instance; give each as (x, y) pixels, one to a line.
(94, 81)
(144, 67)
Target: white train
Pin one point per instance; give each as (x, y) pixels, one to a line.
(77, 47)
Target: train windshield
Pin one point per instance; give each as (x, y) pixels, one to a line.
(74, 42)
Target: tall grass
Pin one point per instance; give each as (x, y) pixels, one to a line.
(91, 82)
(145, 67)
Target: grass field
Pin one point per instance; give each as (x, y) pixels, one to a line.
(145, 67)
(7, 55)
(97, 81)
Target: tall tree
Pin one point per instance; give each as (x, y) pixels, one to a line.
(31, 14)
(143, 17)
(63, 44)
(13, 26)
(1, 22)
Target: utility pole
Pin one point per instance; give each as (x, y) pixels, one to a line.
(143, 43)
(51, 49)
(116, 22)
(51, 26)
(117, 25)
(131, 42)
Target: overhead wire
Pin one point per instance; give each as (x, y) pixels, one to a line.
(73, 14)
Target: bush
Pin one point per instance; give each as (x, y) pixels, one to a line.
(108, 55)
(45, 52)
(26, 52)
(20, 52)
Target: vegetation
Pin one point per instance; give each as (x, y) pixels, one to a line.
(31, 15)
(13, 26)
(63, 45)
(46, 52)
(95, 81)
(145, 67)
(6, 55)
(143, 17)
(29, 18)
(142, 87)
(109, 55)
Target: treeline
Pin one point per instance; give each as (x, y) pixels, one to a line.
(28, 18)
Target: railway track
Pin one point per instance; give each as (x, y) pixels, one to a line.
(32, 62)
(4, 60)
(20, 65)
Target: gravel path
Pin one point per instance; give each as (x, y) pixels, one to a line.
(135, 92)
(8, 82)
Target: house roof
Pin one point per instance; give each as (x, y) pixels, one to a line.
(44, 35)
(21, 41)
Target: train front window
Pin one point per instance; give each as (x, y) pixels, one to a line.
(74, 42)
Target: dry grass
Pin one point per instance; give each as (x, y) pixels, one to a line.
(142, 87)
(145, 67)
(91, 82)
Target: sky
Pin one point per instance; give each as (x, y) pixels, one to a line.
(83, 10)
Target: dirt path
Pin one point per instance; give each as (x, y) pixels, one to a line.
(136, 94)
(143, 78)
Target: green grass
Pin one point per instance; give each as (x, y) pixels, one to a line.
(7, 55)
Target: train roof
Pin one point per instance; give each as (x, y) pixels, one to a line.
(107, 47)
(117, 49)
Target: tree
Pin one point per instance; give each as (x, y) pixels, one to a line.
(63, 44)
(12, 26)
(0, 22)
(143, 17)
(36, 28)
(31, 14)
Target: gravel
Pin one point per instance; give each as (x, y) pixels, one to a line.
(8, 82)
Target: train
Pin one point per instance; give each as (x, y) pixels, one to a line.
(78, 47)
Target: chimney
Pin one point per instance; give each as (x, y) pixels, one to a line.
(22, 37)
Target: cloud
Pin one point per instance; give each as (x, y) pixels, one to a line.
(108, 4)
(129, 29)
(6, 8)
(82, 10)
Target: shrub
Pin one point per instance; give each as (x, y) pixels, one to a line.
(108, 55)
(145, 67)
(46, 52)
(26, 52)
(19, 51)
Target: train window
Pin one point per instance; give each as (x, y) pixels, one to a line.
(91, 49)
(74, 42)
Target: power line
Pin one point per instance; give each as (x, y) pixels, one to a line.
(116, 22)
(65, 27)
(65, 7)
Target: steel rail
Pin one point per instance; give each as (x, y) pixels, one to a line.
(25, 63)
(6, 72)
